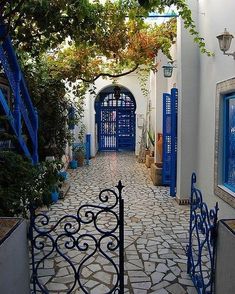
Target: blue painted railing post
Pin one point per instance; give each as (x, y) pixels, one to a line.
(35, 145)
(174, 107)
(17, 113)
(88, 148)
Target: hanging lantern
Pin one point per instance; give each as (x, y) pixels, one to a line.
(225, 40)
(117, 91)
(167, 70)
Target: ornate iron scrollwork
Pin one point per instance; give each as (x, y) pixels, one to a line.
(202, 238)
(69, 234)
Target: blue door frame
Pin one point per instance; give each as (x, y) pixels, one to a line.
(170, 109)
(115, 121)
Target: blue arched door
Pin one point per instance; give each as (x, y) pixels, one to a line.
(115, 120)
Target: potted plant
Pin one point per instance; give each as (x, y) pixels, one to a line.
(54, 195)
(79, 147)
(79, 154)
(156, 168)
(73, 164)
(150, 157)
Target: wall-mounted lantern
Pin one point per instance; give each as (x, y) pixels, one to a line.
(225, 40)
(168, 69)
(117, 91)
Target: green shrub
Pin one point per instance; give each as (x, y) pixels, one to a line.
(21, 183)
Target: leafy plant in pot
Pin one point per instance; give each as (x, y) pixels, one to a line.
(151, 137)
(79, 154)
(22, 183)
(79, 148)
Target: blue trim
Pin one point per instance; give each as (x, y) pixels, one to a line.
(174, 109)
(88, 148)
(226, 141)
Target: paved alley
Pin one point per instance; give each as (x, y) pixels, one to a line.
(156, 231)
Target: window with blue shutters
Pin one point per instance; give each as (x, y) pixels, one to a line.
(229, 142)
(224, 151)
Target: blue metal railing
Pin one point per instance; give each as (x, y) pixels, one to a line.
(80, 232)
(23, 110)
(202, 241)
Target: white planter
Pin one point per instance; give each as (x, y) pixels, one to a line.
(14, 259)
(225, 258)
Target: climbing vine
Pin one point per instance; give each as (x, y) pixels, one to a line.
(70, 40)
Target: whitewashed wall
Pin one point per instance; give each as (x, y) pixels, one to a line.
(159, 85)
(130, 82)
(197, 79)
(214, 16)
(188, 67)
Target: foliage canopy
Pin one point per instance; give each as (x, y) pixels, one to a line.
(106, 37)
(67, 40)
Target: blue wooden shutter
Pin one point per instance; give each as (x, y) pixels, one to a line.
(166, 172)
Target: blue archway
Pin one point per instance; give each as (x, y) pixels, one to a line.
(115, 118)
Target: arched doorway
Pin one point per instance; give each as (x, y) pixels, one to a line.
(115, 119)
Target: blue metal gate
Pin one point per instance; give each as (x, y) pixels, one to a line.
(202, 241)
(170, 109)
(115, 120)
(66, 250)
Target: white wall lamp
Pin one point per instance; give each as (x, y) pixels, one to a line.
(168, 69)
(225, 40)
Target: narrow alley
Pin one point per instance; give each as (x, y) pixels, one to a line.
(156, 231)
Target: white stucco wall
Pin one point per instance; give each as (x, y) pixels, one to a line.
(214, 16)
(188, 67)
(196, 76)
(130, 82)
(152, 97)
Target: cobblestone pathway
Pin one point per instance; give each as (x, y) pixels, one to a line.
(155, 231)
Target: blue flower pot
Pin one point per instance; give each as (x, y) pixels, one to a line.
(54, 196)
(73, 164)
(64, 175)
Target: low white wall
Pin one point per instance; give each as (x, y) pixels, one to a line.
(14, 262)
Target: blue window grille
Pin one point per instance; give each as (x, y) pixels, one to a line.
(229, 142)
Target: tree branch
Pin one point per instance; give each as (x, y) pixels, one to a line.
(110, 75)
(15, 9)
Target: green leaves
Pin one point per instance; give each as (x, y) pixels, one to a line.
(21, 183)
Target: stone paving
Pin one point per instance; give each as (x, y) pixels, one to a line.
(156, 232)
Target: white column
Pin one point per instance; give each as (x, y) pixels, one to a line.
(188, 84)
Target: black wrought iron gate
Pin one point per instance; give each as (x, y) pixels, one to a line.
(77, 252)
